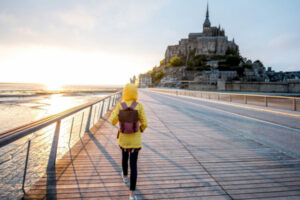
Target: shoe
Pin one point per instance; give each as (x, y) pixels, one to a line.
(125, 180)
(132, 198)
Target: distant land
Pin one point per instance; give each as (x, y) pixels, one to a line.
(9, 89)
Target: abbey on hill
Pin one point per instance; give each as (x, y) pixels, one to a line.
(212, 41)
(209, 61)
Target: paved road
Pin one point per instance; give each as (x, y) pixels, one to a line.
(281, 132)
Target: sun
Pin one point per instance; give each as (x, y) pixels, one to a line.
(53, 86)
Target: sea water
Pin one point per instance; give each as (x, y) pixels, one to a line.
(24, 103)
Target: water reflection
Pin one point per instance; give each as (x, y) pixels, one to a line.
(22, 110)
(17, 111)
(57, 104)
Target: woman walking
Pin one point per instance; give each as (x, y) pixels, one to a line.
(132, 121)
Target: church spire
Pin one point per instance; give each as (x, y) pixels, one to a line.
(207, 12)
(206, 22)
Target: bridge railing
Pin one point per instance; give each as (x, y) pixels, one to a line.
(280, 102)
(30, 151)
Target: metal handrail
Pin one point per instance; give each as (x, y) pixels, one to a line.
(228, 93)
(267, 98)
(15, 134)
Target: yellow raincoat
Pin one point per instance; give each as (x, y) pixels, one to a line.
(130, 140)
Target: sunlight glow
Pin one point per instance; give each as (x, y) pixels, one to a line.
(57, 66)
(53, 86)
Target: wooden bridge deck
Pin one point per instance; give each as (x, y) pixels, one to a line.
(183, 157)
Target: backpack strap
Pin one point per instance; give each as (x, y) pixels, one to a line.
(124, 105)
(133, 105)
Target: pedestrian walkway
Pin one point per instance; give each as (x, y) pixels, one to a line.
(183, 157)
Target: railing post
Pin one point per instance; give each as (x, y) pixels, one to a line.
(71, 132)
(101, 111)
(25, 168)
(266, 101)
(94, 114)
(87, 127)
(109, 104)
(81, 124)
(294, 104)
(53, 152)
(105, 106)
(97, 109)
(117, 98)
(112, 101)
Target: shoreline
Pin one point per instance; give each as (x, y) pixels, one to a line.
(30, 93)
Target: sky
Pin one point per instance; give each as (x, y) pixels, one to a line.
(107, 42)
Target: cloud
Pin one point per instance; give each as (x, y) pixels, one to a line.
(285, 42)
(8, 19)
(110, 24)
(77, 18)
(284, 50)
(136, 12)
(281, 52)
(77, 37)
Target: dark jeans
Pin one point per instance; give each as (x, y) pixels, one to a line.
(133, 167)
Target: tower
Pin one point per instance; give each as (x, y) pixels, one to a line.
(206, 23)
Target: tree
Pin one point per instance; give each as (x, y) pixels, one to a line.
(248, 66)
(162, 62)
(197, 62)
(168, 65)
(232, 51)
(157, 76)
(176, 61)
(233, 60)
(259, 63)
(202, 67)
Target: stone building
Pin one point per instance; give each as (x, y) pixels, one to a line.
(132, 80)
(212, 41)
(144, 80)
(212, 76)
(256, 73)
